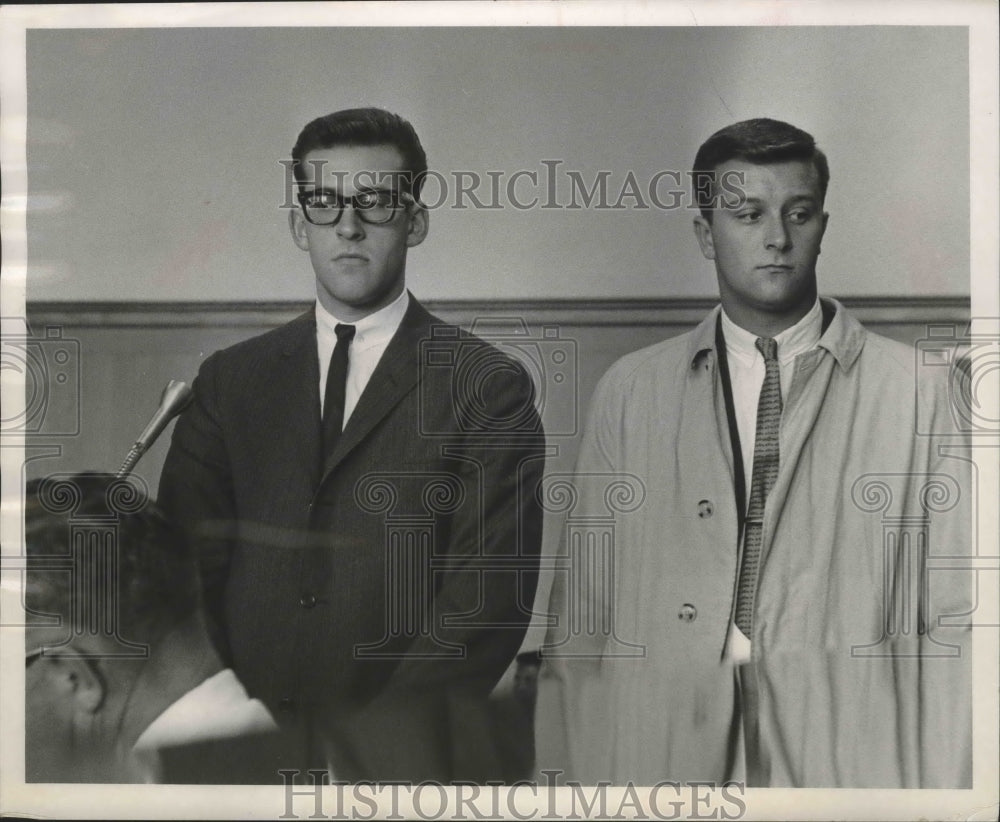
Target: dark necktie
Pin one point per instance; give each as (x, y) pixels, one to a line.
(765, 471)
(336, 387)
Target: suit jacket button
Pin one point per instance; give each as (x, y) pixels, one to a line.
(705, 508)
(687, 613)
(307, 601)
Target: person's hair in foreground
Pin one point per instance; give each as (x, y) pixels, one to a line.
(114, 629)
(154, 576)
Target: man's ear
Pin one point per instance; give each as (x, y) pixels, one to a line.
(420, 224)
(297, 225)
(822, 234)
(703, 231)
(75, 679)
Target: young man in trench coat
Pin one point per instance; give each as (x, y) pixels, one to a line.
(841, 657)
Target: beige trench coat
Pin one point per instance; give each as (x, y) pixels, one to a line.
(860, 649)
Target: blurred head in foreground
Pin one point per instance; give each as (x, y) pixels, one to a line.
(114, 628)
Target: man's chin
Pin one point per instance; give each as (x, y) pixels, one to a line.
(786, 301)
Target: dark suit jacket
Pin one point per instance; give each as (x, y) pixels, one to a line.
(373, 599)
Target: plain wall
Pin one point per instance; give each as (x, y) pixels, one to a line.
(154, 174)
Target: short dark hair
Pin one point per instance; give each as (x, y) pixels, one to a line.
(760, 141)
(154, 578)
(364, 127)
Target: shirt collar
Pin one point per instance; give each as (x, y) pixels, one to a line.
(844, 337)
(793, 341)
(375, 329)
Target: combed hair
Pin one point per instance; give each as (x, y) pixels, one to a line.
(363, 127)
(760, 141)
(157, 580)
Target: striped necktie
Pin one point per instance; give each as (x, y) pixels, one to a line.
(765, 471)
(336, 387)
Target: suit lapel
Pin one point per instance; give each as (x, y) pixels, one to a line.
(295, 426)
(397, 372)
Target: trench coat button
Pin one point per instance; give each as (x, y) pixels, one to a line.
(307, 601)
(705, 508)
(286, 705)
(687, 613)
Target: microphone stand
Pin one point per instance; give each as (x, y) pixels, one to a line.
(175, 398)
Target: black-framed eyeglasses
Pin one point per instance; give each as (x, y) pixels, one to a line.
(323, 206)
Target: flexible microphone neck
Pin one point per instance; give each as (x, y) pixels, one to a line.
(175, 398)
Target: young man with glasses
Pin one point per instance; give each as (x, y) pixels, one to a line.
(360, 485)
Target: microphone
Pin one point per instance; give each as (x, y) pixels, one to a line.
(175, 398)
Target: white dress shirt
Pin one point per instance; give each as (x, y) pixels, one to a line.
(218, 708)
(746, 375)
(371, 337)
